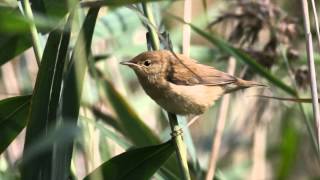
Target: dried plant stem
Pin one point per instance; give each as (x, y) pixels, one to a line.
(220, 127)
(176, 131)
(316, 21)
(258, 169)
(312, 71)
(302, 109)
(259, 153)
(33, 29)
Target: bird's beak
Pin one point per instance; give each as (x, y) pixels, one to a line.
(128, 63)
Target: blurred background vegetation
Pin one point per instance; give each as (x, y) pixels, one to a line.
(85, 108)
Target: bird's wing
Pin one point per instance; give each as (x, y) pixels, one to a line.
(188, 72)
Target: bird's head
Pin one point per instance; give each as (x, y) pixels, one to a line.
(149, 64)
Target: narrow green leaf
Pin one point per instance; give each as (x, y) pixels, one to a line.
(14, 33)
(244, 57)
(55, 8)
(11, 20)
(52, 9)
(117, 2)
(13, 118)
(139, 163)
(12, 45)
(132, 125)
(106, 118)
(61, 135)
(72, 89)
(43, 109)
(241, 56)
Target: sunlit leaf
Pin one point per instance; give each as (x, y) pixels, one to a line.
(139, 163)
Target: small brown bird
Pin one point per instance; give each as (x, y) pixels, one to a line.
(179, 84)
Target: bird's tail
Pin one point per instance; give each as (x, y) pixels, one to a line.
(243, 84)
(246, 84)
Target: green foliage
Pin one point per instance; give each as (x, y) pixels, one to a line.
(132, 126)
(14, 37)
(13, 118)
(127, 2)
(52, 8)
(71, 94)
(289, 146)
(44, 105)
(139, 163)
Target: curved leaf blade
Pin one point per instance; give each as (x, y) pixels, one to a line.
(44, 107)
(133, 127)
(12, 42)
(72, 89)
(139, 163)
(13, 118)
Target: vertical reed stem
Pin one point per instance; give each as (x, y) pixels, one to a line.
(154, 36)
(223, 112)
(312, 71)
(175, 128)
(181, 151)
(33, 29)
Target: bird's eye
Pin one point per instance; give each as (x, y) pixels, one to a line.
(147, 63)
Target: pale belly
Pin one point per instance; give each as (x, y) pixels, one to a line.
(186, 99)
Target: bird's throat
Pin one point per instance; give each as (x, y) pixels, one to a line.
(153, 82)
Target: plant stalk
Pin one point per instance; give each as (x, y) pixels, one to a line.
(312, 71)
(33, 30)
(176, 131)
(316, 21)
(222, 117)
(181, 152)
(155, 42)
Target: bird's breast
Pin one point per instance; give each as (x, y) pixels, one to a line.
(181, 99)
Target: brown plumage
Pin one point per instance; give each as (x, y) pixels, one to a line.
(181, 85)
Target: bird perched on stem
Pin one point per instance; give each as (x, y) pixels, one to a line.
(179, 84)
